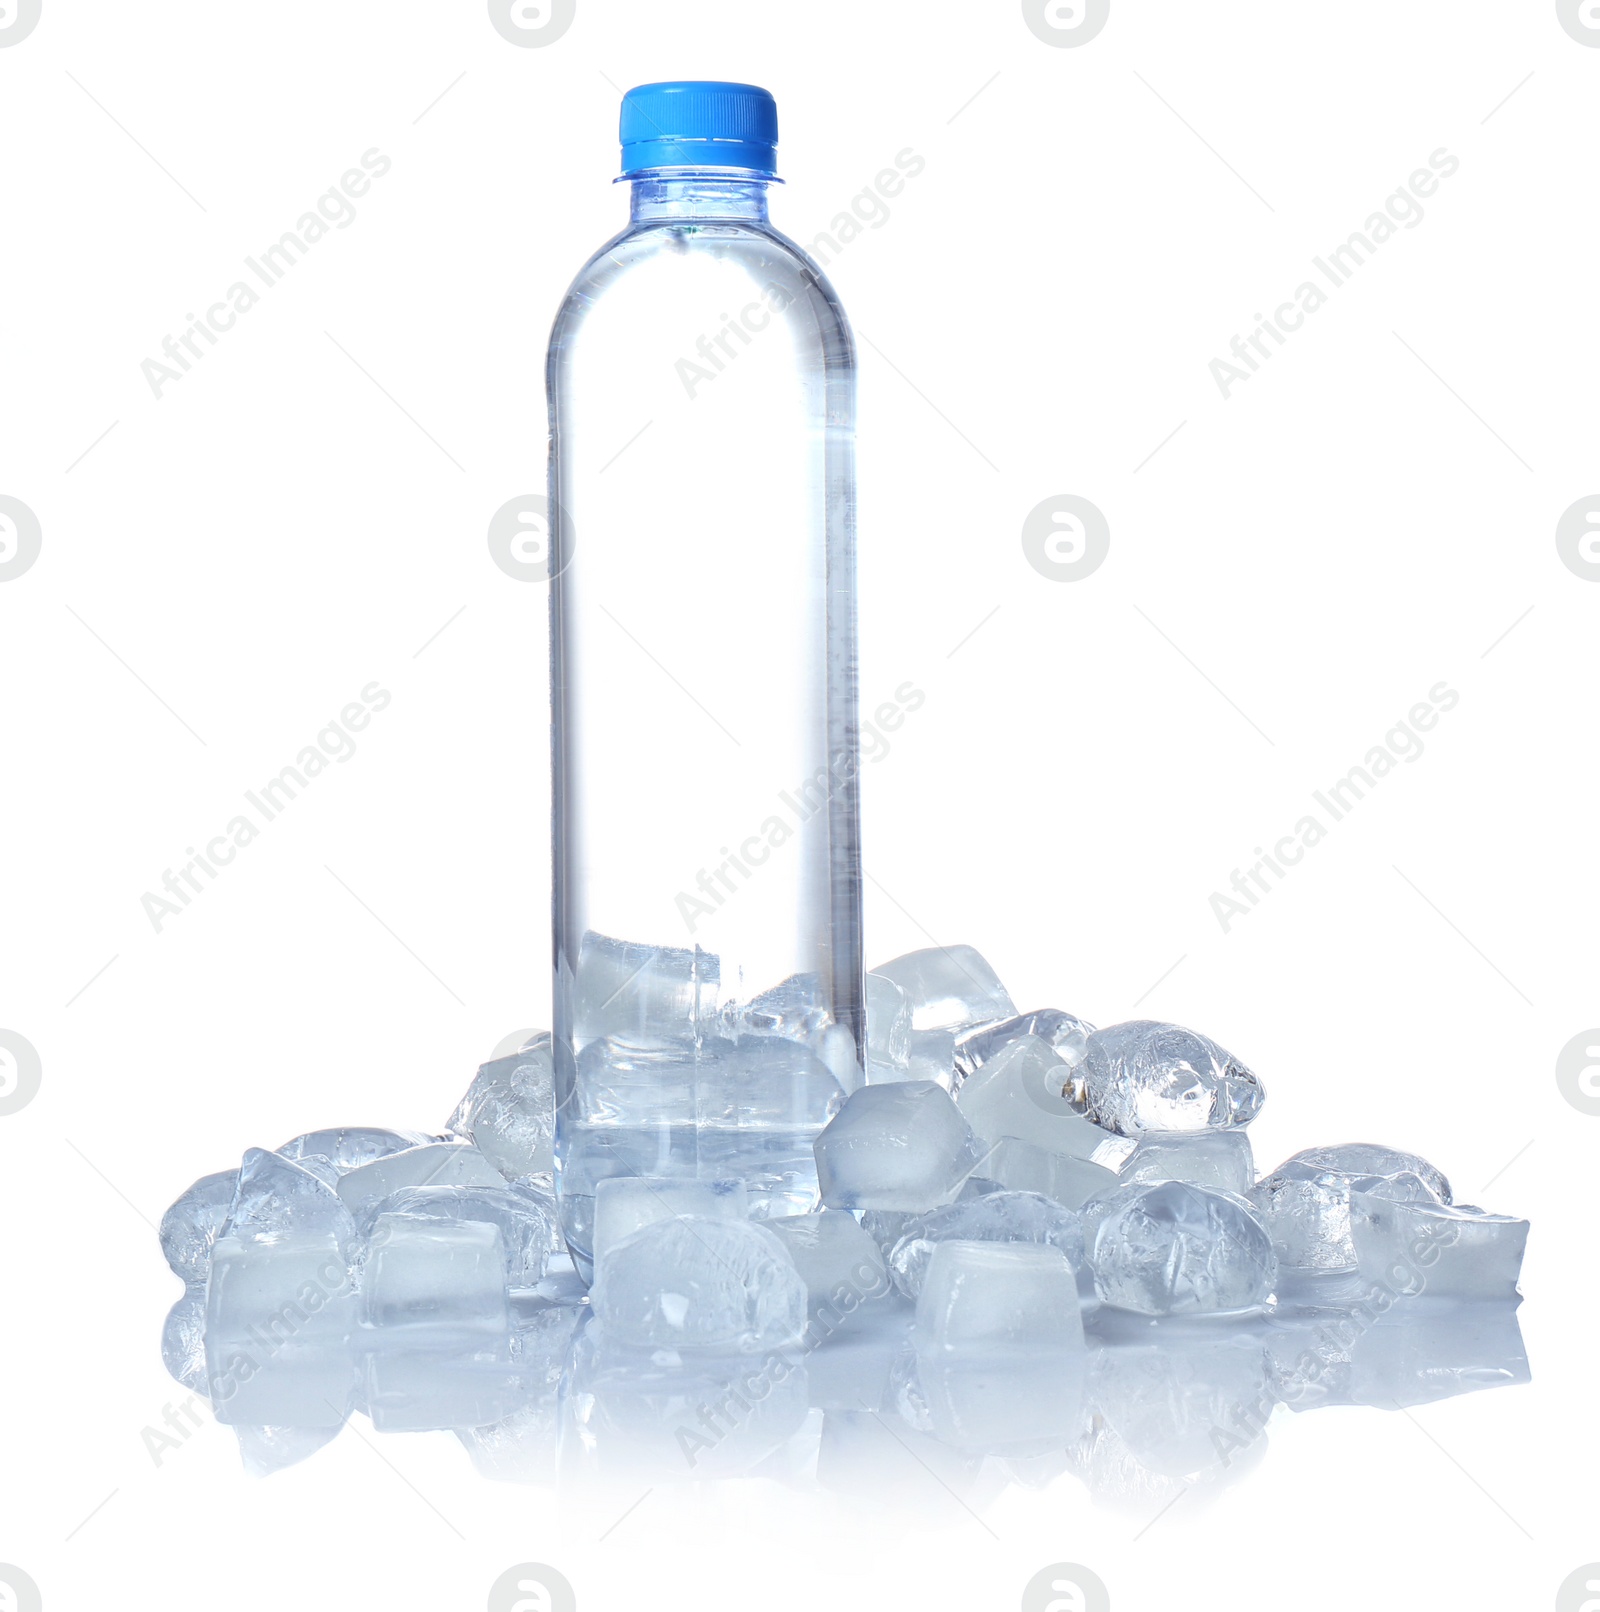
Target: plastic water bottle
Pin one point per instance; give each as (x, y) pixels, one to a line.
(708, 988)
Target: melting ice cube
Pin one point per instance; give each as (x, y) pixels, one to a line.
(1148, 1076)
(999, 1297)
(509, 1111)
(626, 988)
(900, 1146)
(194, 1222)
(1001, 1217)
(1175, 1249)
(840, 1264)
(1413, 1245)
(1220, 1159)
(948, 987)
(437, 1164)
(1305, 1202)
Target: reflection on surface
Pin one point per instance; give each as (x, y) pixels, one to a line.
(1152, 1408)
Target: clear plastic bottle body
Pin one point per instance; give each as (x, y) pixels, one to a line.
(708, 1009)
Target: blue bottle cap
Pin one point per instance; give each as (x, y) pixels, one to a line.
(698, 123)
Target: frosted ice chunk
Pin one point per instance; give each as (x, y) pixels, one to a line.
(840, 1263)
(888, 1029)
(194, 1222)
(1220, 1159)
(1064, 1033)
(348, 1147)
(277, 1333)
(693, 1282)
(1305, 1202)
(1020, 1091)
(1170, 1248)
(1410, 1245)
(1148, 1076)
(626, 988)
(625, 1204)
(520, 1218)
(183, 1339)
(1019, 1166)
(899, 1146)
(277, 1199)
(509, 1111)
(1002, 1217)
(436, 1280)
(992, 1298)
(435, 1164)
(948, 987)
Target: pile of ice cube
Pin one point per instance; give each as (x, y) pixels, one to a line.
(1010, 1176)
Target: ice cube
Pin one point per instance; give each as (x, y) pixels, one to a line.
(1409, 1245)
(888, 1029)
(435, 1164)
(276, 1199)
(900, 1146)
(1305, 1202)
(435, 1280)
(1002, 1217)
(626, 988)
(994, 1298)
(509, 1111)
(348, 1147)
(194, 1222)
(1169, 1248)
(794, 1008)
(718, 1090)
(840, 1264)
(277, 1333)
(932, 1056)
(625, 1204)
(1019, 1166)
(886, 1227)
(948, 987)
(694, 1282)
(1019, 1091)
(1064, 1033)
(521, 1219)
(183, 1340)
(1148, 1076)
(1220, 1159)
(265, 1450)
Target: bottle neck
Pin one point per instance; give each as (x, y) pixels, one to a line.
(687, 193)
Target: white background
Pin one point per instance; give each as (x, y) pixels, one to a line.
(223, 569)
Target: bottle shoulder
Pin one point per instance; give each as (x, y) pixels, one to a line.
(729, 253)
